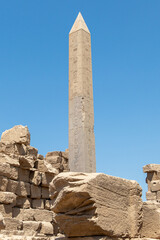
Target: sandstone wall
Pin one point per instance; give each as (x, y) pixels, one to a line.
(24, 185)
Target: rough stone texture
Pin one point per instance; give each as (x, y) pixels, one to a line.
(2, 223)
(47, 228)
(153, 181)
(7, 198)
(17, 134)
(24, 191)
(96, 204)
(151, 220)
(81, 113)
(151, 168)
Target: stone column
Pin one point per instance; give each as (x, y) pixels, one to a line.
(81, 112)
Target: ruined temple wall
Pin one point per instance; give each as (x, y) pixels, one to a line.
(24, 186)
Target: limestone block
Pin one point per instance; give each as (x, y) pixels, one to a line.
(96, 204)
(38, 203)
(17, 134)
(32, 152)
(46, 228)
(13, 224)
(10, 160)
(23, 175)
(44, 166)
(7, 198)
(48, 204)
(54, 160)
(35, 191)
(43, 215)
(23, 202)
(151, 195)
(2, 222)
(35, 177)
(151, 220)
(12, 148)
(47, 178)
(29, 226)
(45, 192)
(53, 154)
(6, 210)
(12, 186)
(8, 171)
(26, 162)
(155, 185)
(3, 183)
(23, 189)
(23, 214)
(151, 168)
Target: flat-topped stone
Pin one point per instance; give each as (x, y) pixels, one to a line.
(151, 168)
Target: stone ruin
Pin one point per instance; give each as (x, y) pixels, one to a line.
(41, 200)
(25, 205)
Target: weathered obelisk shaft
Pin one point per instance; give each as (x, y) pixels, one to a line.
(81, 113)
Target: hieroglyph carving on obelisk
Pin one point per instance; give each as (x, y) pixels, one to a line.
(81, 112)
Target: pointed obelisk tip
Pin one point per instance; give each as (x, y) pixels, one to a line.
(79, 24)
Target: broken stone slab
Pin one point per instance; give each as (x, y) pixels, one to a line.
(151, 220)
(53, 154)
(7, 159)
(7, 198)
(151, 168)
(44, 166)
(96, 204)
(12, 148)
(17, 134)
(31, 151)
(35, 177)
(47, 178)
(26, 162)
(8, 171)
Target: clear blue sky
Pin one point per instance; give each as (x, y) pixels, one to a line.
(126, 77)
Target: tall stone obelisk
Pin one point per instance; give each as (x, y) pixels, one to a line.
(81, 112)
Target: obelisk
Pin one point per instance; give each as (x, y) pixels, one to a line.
(81, 112)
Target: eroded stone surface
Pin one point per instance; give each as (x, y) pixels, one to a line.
(151, 220)
(17, 134)
(96, 204)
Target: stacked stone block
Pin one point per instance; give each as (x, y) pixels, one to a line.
(153, 181)
(24, 185)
